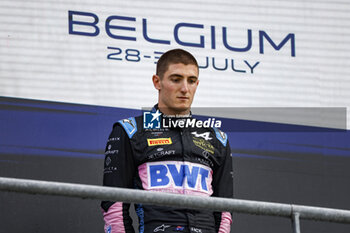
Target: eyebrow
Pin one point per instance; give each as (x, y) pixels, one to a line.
(180, 76)
(176, 75)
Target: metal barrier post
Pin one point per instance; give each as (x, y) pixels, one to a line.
(296, 222)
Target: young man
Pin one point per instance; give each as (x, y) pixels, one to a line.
(183, 160)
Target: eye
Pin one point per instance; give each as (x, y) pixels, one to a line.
(192, 81)
(175, 80)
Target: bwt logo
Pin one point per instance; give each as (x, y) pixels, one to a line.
(87, 24)
(179, 175)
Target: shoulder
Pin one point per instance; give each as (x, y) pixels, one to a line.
(220, 136)
(130, 125)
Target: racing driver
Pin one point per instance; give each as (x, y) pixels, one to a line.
(181, 159)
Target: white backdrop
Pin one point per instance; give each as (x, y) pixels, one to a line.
(41, 59)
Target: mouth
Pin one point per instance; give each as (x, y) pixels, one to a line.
(183, 98)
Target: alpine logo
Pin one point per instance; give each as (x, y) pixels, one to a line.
(203, 135)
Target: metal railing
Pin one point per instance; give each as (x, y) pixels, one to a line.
(295, 212)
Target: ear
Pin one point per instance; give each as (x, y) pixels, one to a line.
(156, 82)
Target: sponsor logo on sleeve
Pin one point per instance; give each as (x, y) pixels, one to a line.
(109, 150)
(113, 139)
(108, 161)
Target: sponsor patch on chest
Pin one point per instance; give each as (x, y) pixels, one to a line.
(159, 141)
(177, 177)
(204, 145)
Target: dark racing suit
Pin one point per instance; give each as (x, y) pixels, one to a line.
(194, 161)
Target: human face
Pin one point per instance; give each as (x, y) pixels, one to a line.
(177, 88)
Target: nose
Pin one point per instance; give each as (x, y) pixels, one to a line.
(184, 86)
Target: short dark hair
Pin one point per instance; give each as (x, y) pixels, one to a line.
(174, 56)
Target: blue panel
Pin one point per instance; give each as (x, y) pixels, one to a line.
(30, 127)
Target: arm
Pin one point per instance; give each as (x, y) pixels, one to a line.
(118, 172)
(223, 187)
